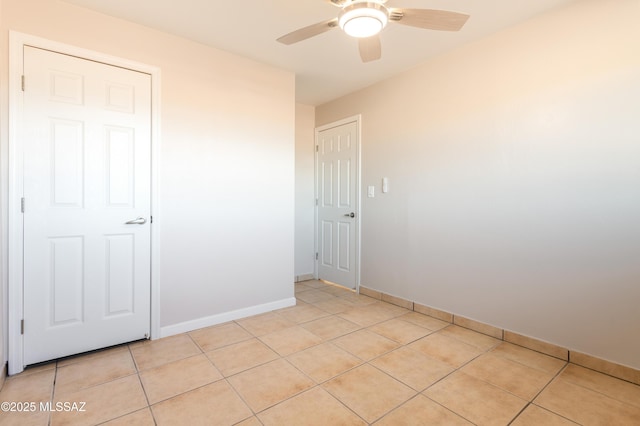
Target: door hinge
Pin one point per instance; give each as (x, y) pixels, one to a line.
(150, 219)
(21, 326)
(22, 82)
(316, 256)
(316, 201)
(22, 204)
(316, 145)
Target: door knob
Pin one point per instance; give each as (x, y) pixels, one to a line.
(137, 221)
(352, 214)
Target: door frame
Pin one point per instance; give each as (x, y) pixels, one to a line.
(12, 226)
(358, 120)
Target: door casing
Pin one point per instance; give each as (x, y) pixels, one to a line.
(12, 225)
(358, 120)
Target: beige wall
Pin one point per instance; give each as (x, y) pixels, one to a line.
(305, 192)
(514, 174)
(227, 159)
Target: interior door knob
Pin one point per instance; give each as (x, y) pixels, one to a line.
(352, 214)
(136, 221)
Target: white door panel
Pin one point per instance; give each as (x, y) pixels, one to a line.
(86, 172)
(337, 166)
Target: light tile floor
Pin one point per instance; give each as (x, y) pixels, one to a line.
(336, 358)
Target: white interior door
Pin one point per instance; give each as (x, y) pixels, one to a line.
(87, 151)
(338, 204)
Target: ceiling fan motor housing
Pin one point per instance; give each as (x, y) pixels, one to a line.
(363, 19)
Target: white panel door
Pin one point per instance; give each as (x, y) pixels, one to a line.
(87, 171)
(337, 204)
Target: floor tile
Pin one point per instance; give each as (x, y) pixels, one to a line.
(162, 351)
(610, 386)
(476, 400)
(33, 387)
(218, 336)
(536, 416)
(214, 404)
(422, 411)
(324, 361)
(334, 306)
(302, 313)
(330, 327)
(389, 308)
(369, 392)
(607, 367)
(35, 418)
(300, 287)
(449, 350)
(585, 406)
(337, 290)
(470, 337)
(32, 369)
(325, 369)
(412, 367)
(251, 421)
(177, 377)
(290, 340)
(311, 408)
(366, 316)
(528, 357)
(266, 385)
(260, 325)
(358, 299)
(138, 418)
(315, 284)
(520, 380)
(241, 356)
(103, 402)
(314, 296)
(400, 331)
(365, 344)
(424, 321)
(94, 371)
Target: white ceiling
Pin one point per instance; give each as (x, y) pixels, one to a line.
(326, 66)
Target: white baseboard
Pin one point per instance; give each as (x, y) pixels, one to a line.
(304, 277)
(187, 326)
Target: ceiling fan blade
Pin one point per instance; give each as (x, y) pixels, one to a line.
(429, 19)
(370, 48)
(308, 32)
(338, 3)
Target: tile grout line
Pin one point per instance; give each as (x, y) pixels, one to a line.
(135, 365)
(399, 381)
(144, 390)
(597, 390)
(345, 405)
(542, 390)
(446, 408)
(53, 390)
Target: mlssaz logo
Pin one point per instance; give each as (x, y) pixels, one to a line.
(63, 406)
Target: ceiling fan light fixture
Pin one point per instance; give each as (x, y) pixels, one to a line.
(363, 19)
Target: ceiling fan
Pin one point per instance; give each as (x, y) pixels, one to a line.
(365, 19)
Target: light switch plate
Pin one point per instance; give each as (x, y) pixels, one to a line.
(385, 185)
(371, 191)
